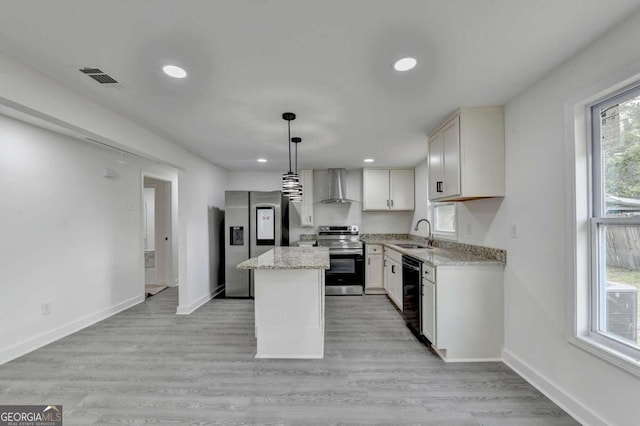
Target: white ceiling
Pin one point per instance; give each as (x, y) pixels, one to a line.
(329, 61)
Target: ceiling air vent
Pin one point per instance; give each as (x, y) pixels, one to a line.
(100, 76)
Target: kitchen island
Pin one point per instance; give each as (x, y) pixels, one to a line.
(289, 301)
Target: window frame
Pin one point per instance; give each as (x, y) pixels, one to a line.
(444, 234)
(598, 222)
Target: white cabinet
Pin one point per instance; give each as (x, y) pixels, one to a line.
(429, 303)
(462, 311)
(374, 280)
(375, 189)
(444, 149)
(393, 276)
(401, 189)
(466, 156)
(306, 209)
(388, 190)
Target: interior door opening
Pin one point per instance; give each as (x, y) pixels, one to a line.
(157, 236)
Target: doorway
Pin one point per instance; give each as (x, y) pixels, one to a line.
(159, 272)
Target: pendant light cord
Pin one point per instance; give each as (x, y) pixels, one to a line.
(289, 141)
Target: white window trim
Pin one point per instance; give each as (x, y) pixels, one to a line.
(442, 235)
(578, 249)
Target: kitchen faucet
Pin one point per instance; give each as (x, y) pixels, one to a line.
(429, 239)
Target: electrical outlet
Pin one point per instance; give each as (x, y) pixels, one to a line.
(46, 308)
(514, 230)
(469, 230)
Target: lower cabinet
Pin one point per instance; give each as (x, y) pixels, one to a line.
(462, 312)
(429, 303)
(462, 306)
(374, 271)
(393, 276)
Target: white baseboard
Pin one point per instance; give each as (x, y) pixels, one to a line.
(281, 356)
(191, 308)
(552, 391)
(33, 343)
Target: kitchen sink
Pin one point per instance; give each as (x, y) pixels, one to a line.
(413, 246)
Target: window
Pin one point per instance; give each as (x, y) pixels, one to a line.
(444, 220)
(615, 223)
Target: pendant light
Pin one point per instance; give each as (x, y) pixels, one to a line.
(296, 195)
(290, 180)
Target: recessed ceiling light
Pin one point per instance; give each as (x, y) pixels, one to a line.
(368, 160)
(262, 160)
(174, 71)
(405, 64)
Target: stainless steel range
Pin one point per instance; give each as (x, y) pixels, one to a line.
(346, 254)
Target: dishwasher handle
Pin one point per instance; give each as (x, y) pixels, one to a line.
(410, 266)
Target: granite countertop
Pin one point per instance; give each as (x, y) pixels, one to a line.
(290, 258)
(435, 256)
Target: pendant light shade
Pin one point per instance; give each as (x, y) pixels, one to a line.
(291, 186)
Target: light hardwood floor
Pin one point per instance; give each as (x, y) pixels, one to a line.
(148, 366)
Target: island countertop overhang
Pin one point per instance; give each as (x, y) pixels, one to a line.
(290, 258)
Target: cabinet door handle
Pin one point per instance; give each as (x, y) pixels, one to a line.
(369, 261)
(385, 263)
(439, 186)
(391, 203)
(387, 203)
(393, 269)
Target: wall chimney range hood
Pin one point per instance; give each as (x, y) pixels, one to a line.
(337, 187)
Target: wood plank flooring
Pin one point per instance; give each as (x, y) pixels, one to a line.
(148, 366)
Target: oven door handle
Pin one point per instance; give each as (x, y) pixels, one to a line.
(345, 251)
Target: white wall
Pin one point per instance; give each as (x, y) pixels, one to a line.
(203, 194)
(200, 196)
(70, 236)
(423, 207)
(536, 288)
(325, 214)
(254, 181)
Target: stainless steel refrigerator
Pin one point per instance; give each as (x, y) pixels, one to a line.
(255, 222)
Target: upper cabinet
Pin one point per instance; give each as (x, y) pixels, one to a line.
(306, 209)
(388, 189)
(466, 156)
